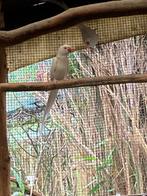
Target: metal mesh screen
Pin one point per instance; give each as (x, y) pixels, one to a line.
(94, 142)
(44, 47)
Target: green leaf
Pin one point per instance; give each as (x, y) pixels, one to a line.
(110, 190)
(20, 181)
(89, 158)
(95, 188)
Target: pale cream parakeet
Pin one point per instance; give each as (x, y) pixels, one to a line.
(59, 71)
(89, 36)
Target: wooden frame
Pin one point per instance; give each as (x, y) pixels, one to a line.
(72, 17)
(4, 153)
(61, 21)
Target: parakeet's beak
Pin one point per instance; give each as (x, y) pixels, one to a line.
(71, 49)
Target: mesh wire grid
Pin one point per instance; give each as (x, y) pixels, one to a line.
(94, 141)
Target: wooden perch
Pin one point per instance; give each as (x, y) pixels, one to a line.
(72, 17)
(96, 81)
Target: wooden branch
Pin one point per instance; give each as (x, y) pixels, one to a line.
(72, 17)
(96, 81)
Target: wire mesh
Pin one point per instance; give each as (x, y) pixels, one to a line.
(94, 141)
(44, 47)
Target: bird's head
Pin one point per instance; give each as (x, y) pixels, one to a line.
(65, 50)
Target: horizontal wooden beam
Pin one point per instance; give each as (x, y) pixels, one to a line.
(96, 81)
(72, 17)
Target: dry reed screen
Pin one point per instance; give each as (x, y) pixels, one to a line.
(95, 139)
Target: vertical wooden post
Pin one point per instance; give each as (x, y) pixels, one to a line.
(4, 154)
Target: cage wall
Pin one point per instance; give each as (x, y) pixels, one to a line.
(94, 142)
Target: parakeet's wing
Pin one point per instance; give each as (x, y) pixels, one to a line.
(53, 68)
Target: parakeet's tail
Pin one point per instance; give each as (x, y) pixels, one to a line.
(50, 102)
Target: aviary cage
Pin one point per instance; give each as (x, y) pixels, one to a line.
(95, 140)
